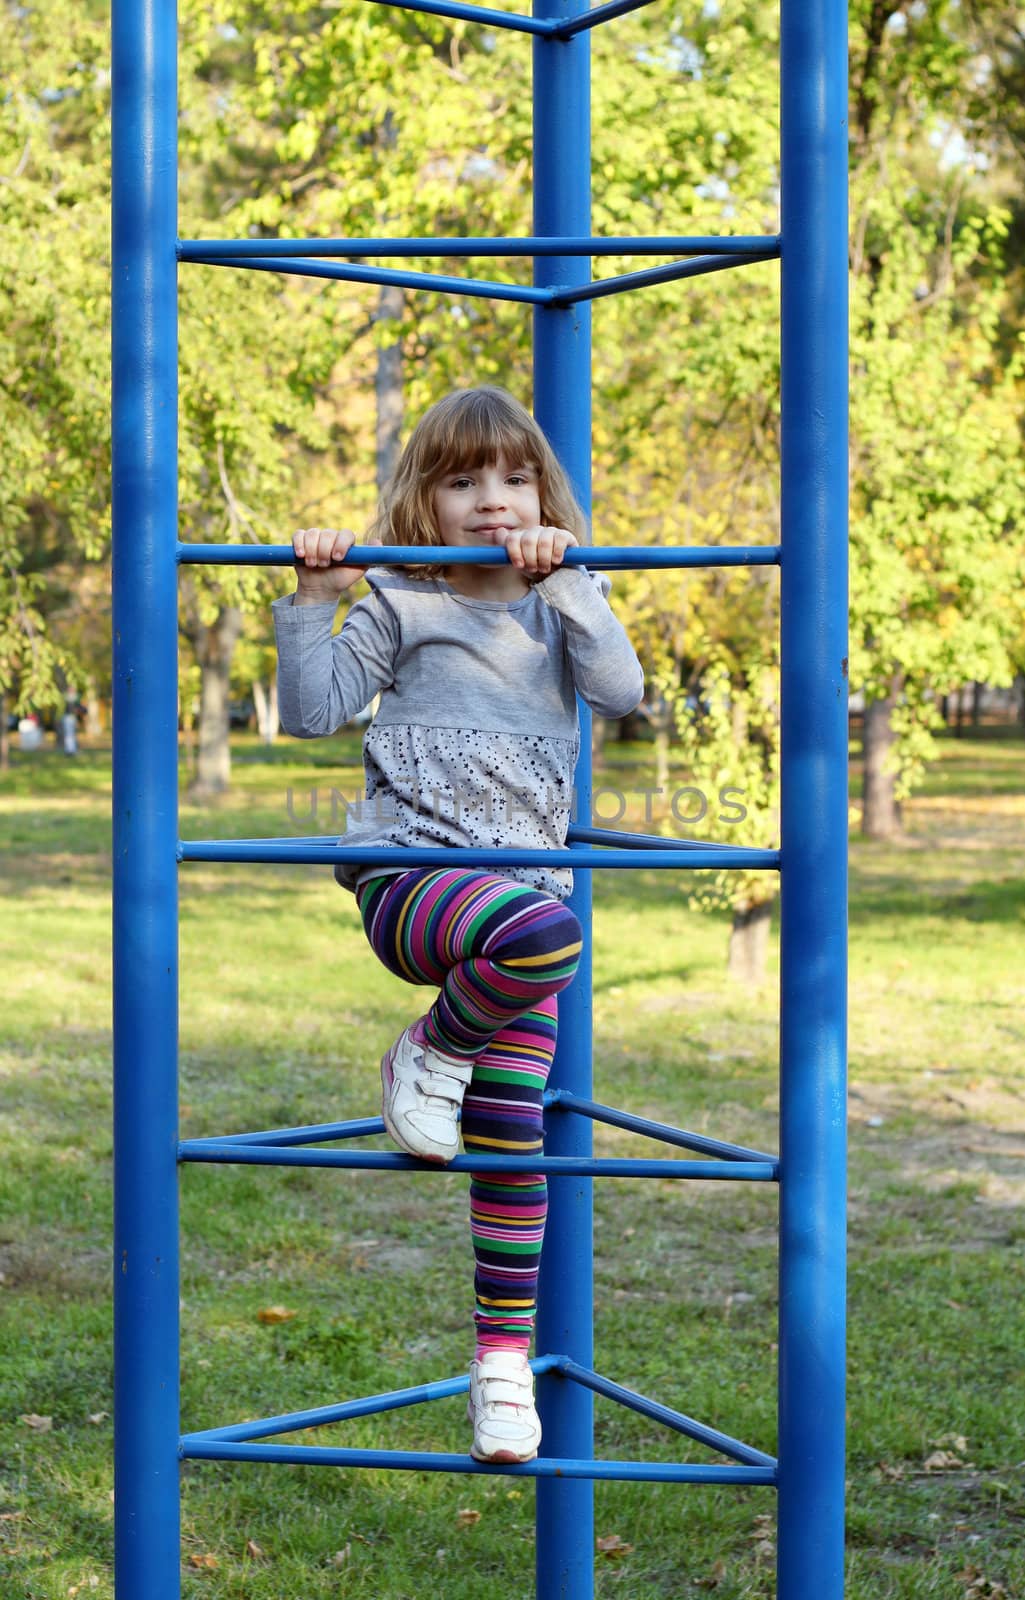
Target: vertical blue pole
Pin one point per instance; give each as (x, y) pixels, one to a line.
(813, 67)
(562, 403)
(145, 724)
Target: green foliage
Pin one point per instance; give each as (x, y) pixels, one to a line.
(330, 117)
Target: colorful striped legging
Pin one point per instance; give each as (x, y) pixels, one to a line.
(500, 952)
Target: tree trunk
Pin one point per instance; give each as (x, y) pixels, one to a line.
(1019, 684)
(749, 942)
(214, 647)
(5, 737)
(93, 710)
(977, 692)
(959, 723)
(266, 702)
(599, 729)
(880, 813)
(388, 384)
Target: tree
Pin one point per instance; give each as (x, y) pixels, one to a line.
(938, 507)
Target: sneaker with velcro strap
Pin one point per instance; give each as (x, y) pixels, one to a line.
(506, 1427)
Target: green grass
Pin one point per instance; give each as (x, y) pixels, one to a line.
(284, 1013)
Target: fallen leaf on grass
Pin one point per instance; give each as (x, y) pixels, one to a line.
(275, 1314)
(713, 1578)
(37, 1423)
(943, 1461)
(613, 1546)
(980, 1587)
(254, 1551)
(894, 1474)
(763, 1537)
(92, 1582)
(341, 1557)
(466, 1517)
(206, 1563)
(96, 1417)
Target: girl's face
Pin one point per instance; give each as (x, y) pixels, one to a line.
(476, 506)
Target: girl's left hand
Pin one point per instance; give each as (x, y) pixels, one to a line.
(537, 551)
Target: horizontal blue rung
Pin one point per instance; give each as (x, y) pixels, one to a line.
(564, 1100)
(345, 1410)
(627, 281)
(193, 1448)
(285, 852)
(698, 1431)
(208, 250)
(227, 1151)
(599, 557)
(301, 267)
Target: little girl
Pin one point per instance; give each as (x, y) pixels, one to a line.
(474, 744)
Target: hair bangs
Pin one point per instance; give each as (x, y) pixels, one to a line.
(477, 428)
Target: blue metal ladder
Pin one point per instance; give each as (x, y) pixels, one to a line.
(809, 1471)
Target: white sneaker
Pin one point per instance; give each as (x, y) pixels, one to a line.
(422, 1093)
(506, 1426)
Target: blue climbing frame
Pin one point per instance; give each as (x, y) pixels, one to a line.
(809, 1470)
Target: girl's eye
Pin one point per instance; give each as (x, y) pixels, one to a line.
(460, 483)
(517, 479)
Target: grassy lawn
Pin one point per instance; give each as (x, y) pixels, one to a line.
(284, 1015)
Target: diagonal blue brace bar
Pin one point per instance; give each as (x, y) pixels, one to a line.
(313, 1133)
(699, 267)
(346, 1410)
(301, 267)
(641, 841)
(563, 1100)
(592, 19)
(699, 1431)
(514, 21)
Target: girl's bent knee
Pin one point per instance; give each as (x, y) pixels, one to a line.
(547, 945)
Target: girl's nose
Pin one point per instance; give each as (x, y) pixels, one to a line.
(491, 493)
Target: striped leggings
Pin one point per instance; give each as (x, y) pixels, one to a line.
(499, 952)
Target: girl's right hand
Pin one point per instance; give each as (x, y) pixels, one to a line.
(315, 549)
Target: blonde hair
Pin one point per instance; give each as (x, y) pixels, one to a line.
(469, 428)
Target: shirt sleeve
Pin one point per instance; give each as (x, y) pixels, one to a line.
(323, 681)
(606, 671)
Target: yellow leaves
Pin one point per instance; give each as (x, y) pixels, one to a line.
(949, 1453)
(466, 1516)
(274, 1314)
(204, 1563)
(37, 1423)
(980, 1587)
(612, 1547)
(763, 1538)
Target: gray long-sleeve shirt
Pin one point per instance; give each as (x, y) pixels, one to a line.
(476, 737)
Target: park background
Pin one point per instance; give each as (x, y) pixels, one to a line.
(346, 120)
